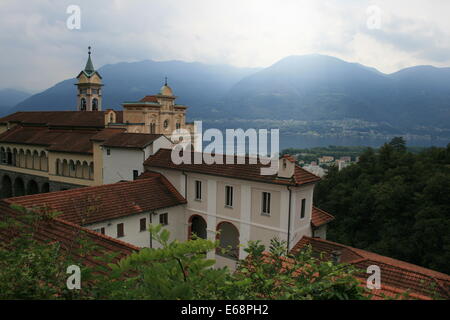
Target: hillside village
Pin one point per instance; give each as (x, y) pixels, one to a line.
(111, 173)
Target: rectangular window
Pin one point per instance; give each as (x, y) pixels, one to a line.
(143, 224)
(265, 203)
(100, 230)
(229, 196)
(198, 190)
(302, 212)
(120, 230)
(164, 219)
(108, 151)
(135, 174)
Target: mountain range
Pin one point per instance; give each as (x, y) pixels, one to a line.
(300, 88)
(11, 97)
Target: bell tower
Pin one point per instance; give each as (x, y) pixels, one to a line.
(89, 97)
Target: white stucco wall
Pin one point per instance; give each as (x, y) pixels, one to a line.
(132, 234)
(121, 162)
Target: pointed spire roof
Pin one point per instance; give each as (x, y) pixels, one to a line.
(89, 69)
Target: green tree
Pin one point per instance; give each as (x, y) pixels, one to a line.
(393, 202)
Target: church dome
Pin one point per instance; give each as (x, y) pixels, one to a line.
(166, 90)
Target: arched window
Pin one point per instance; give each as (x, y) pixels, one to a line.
(178, 125)
(9, 157)
(91, 171)
(3, 155)
(72, 168)
(94, 104)
(78, 170)
(166, 124)
(58, 168)
(43, 161)
(83, 104)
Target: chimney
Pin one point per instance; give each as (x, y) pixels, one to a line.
(286, 166)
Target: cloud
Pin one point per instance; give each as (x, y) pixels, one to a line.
(38, 50)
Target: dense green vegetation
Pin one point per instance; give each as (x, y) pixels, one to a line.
(312, 154)
(179, 270)
(393, 202)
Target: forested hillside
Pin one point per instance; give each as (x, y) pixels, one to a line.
(394, 203)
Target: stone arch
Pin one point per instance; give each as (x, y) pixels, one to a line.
(36, 160)
(43, 161)
(58, 167)
(197, 225)
(65, 168)
(7, 187)
(83, 104)
(72, 168)
(78, 170)
(91, 171)
(85, 170)
(32, 187)
(22, 159)
(228, 236)
(45, 187)
(9, 157)
(19, 187)
(15, 158)
(94, 104)
(2, 155)
(28, 159)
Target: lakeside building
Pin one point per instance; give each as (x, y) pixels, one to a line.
(111, 172)
(59, 150)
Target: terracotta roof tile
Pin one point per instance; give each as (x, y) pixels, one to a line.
(396, 276)
(106, 134)
(246, 171)
(149, 99)
(63, 140)
(89, 205)
(64, 232)
(131, 140)
(320, 217)
(58, 118)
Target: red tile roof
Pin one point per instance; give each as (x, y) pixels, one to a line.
(65, 232)
(107, 133)
(320, 217)
(77, 141)
(58, 118)
(59, 140)
(149, 99)
(89, 205)
(131, 140)
(247, 171)
(396, 276)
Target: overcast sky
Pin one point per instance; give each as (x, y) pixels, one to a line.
(38, 50)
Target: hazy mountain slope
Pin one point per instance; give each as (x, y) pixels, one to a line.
(10, 97)
(310, 87)
(198, 85)
(316, 87)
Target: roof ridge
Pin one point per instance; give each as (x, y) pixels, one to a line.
(131, 246)
(370, 257)
(75, 190)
